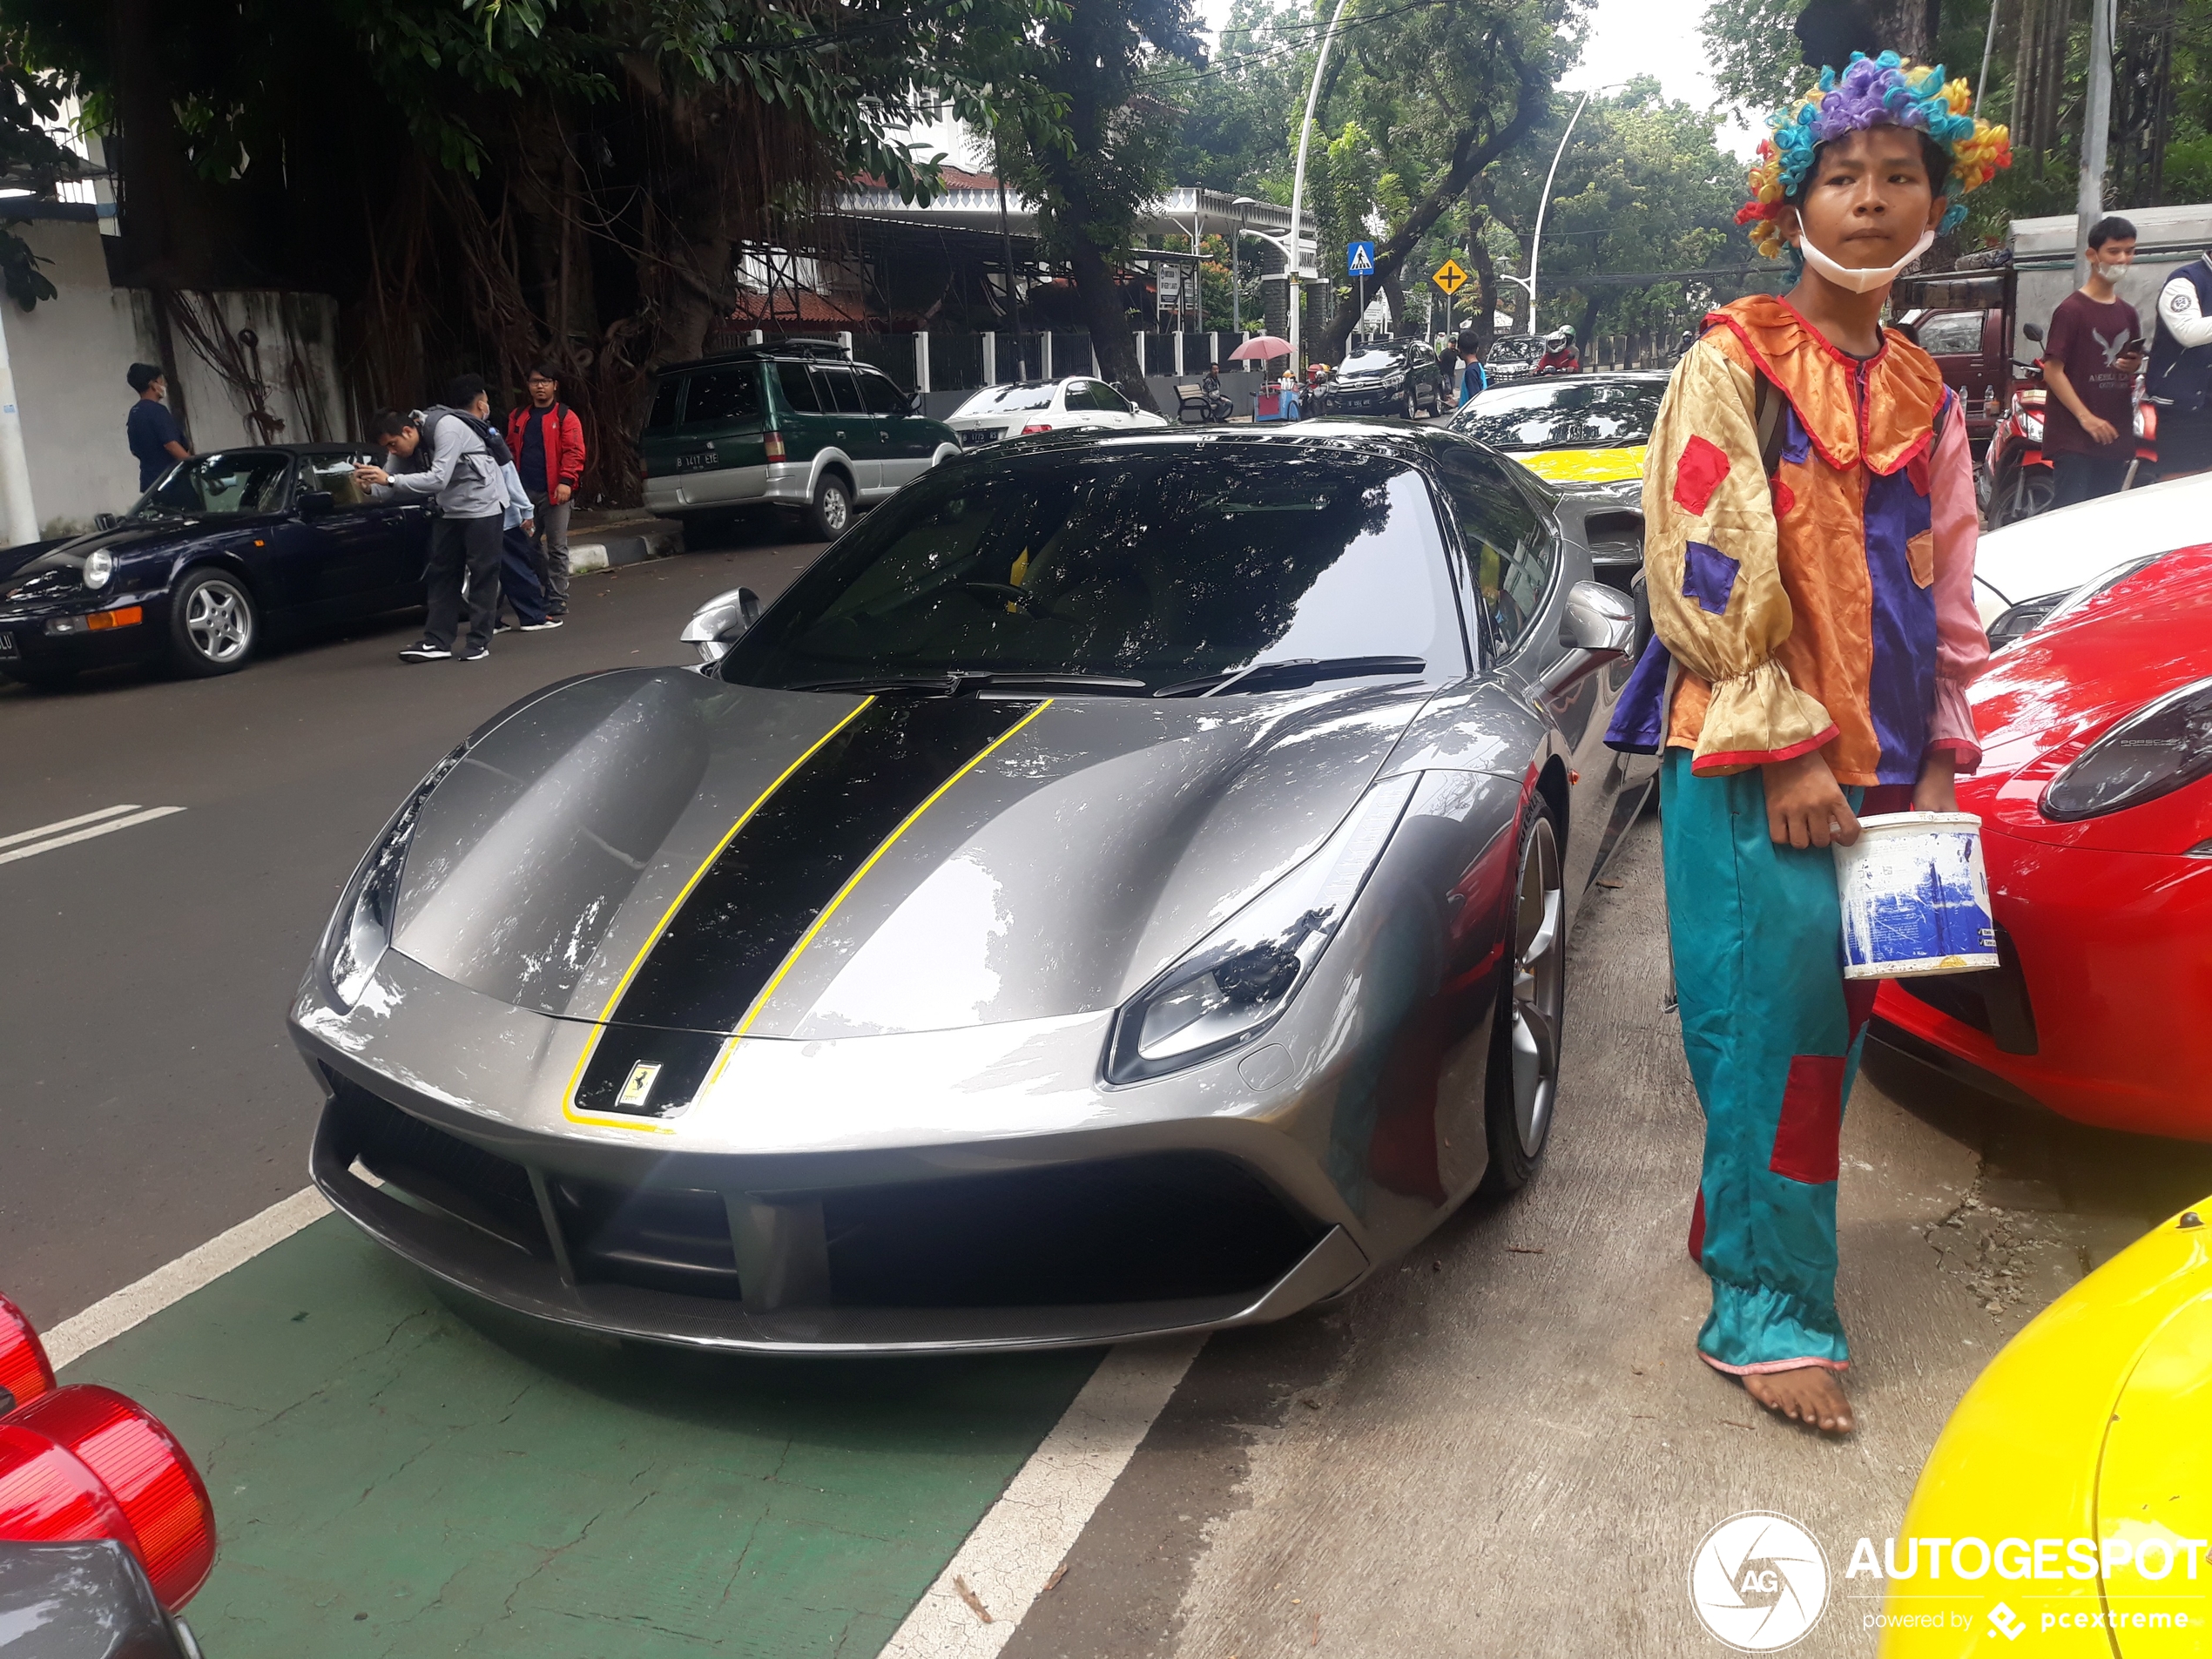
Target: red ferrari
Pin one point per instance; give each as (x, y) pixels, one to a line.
(2096, 797)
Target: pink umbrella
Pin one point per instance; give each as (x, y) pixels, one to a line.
(1262, 348)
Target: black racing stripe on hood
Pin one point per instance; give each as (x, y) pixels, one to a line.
(758, 899)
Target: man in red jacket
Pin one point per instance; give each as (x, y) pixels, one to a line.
(548, 442)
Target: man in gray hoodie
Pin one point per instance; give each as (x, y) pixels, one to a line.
(439, 454)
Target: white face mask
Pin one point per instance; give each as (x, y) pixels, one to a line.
(1860, 281)
(2108, 273)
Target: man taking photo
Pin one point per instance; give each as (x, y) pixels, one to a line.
(548, 444)
(446, 452)
(2089, 364)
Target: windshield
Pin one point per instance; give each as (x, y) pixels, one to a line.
(1160, 566)
(1516, 348)
(249, 481)
(1371, 362)
(1009, 400)
(1567, 415)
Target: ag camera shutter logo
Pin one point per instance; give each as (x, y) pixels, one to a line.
(1759, 1581)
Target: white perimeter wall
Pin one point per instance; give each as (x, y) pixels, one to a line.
(69, 355)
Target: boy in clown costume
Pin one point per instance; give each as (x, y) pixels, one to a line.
(1809, 521)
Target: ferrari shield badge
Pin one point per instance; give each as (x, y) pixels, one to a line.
(637, 1088)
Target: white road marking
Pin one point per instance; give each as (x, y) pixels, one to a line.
(112, 1316)
(36, 847)
(66, 824)
(1030, 1529)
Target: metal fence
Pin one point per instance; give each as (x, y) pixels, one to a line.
(960, 362)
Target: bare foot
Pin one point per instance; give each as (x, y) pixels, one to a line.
(1809, 1394)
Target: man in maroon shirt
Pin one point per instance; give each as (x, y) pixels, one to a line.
(2089, 364)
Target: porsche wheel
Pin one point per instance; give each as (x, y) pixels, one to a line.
(213, 624)
(833, 508)
(1525, 1044)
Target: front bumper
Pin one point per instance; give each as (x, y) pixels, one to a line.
(1364, 400)
(27, 643)
(2105, 1025)
(871, 1195)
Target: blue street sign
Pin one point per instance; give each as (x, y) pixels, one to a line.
(1359, 258)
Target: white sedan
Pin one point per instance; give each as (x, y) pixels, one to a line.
(1046, 406)
(2026, 571)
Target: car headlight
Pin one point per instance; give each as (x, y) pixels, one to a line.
(2153, 752)
(360, 928)
(1234, 983)
(99, 567)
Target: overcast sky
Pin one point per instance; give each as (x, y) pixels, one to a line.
(1627, 37)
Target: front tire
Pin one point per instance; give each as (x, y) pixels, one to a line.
(1523, 1083)
(1410, 405)
(214, 627)
(832, 509)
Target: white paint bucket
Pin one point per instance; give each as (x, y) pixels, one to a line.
(1915, 897)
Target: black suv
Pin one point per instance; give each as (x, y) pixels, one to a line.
(1388, 377)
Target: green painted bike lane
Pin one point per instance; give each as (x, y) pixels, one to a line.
(397, 1471)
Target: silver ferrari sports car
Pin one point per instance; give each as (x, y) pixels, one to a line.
(1121, 887)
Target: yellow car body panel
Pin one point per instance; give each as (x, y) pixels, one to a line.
(1584, 466)
(2092, 1424)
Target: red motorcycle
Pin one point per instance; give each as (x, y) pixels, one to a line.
(2019, 480)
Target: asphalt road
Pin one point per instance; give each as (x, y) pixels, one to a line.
(1506, 1446)
(153, 1098)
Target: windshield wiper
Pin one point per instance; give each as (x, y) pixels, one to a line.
(961, 681)
(1292, 672)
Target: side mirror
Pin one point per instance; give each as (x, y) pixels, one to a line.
(1600, 620)
(719, 623)
(315, 503)
(105, 521)
(2034, 331)
(913, 403)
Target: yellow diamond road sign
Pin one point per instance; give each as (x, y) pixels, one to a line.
(1449, 277)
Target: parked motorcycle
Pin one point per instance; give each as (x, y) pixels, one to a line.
(2020, 481)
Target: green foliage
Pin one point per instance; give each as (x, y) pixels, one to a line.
(1756, 54)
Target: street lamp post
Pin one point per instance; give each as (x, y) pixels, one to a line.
(1298, 179)
(1236, 264)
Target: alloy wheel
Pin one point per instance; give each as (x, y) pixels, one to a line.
(1539, 988)
(218, 621)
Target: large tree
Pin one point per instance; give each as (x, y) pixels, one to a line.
(485, 182)
(1100, 149)
(1442, 90)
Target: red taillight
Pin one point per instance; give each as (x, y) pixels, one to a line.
(24, 1371)
(1027, 430)
(775, 443)
(84, 1462)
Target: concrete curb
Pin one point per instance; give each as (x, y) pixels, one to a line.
(652, 538)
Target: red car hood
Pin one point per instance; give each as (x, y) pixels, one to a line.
(2055, 692)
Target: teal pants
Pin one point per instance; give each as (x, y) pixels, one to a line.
(1772, 1035)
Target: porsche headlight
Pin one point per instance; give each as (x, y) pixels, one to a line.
(1232, 985)
(97, 569)
(361, 930)
(2153, 752)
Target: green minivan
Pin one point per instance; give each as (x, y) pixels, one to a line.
(794, 424)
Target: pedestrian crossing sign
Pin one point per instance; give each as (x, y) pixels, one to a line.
(1359, 258)
(1448, 277)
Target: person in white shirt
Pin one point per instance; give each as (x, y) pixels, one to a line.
(2180, 381)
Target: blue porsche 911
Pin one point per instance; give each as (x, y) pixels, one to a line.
(226, 549)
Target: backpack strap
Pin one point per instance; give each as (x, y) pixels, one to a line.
(1767, 414)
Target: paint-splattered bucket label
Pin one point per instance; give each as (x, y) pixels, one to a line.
(1915, 897)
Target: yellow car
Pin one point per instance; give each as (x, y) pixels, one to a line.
(1569, 428)
(2069, 1498)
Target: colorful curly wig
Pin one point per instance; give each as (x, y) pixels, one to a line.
(1872, 92)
